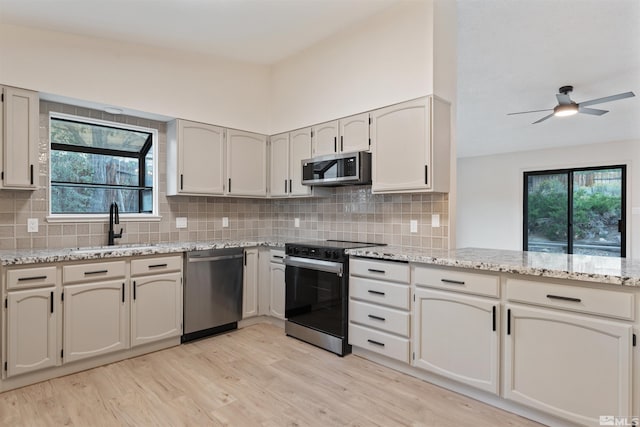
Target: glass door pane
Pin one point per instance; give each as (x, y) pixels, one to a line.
(547, 212)
(597, 209)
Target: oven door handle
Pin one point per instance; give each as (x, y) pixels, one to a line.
(314, 264)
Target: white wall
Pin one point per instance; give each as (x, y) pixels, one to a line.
(138, 77)
(489, 198)
(384, 60)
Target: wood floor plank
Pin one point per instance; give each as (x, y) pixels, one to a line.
(255, 376)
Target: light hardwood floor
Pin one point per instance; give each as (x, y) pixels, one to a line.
(254, 376)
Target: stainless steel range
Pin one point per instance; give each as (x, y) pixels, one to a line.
(317, 292)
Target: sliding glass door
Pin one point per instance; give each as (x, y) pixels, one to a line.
(575, 211)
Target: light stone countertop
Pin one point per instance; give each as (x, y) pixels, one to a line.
(609, 270)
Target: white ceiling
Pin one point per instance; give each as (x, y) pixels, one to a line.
(513, 55)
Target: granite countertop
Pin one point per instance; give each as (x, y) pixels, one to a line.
(33, 256)
(615, 271)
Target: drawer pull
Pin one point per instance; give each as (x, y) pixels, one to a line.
(453, 282)
(24, 279)
(560, 297)
(371, 316)
(375, 292)
(373, 270)
(158, 265)
(376, 343)
(88, 273)
(278, 256)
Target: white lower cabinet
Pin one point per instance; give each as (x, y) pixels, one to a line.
(156, 308)
(457, 336)
(250, 285)
(31, 330)
(574, 366)
(277, 285)
(96, 319)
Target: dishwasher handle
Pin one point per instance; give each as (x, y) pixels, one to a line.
(196, 258)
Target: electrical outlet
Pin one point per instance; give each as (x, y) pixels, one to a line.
(413, 225)
(225, 221)
(181, 222)
(296, 222)
(32, 225)
(435, 220)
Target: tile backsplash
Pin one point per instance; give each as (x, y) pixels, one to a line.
(347, 213)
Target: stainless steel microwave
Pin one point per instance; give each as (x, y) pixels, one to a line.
(338, 169)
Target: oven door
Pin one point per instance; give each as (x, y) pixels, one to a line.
(316, 294)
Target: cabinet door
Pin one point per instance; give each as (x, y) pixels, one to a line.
(277, 295)
(156, 308)
(400, 141)
(31, 330)
(246, 163)
(325, 138)
(456, 336)
(354, 133)
(201, 154)
(279, 165)
(573, 366)
(95, 319)
(20, 138)
(300, 149)
(250, 291)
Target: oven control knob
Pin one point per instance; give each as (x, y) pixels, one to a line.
(336, 254)
(296, 251)
(327, 254)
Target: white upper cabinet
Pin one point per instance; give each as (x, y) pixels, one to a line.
(411, 147)
(279, 167)
(287, 152)
(195, 158)
(342, 136)
(246, 163)
(19, 133)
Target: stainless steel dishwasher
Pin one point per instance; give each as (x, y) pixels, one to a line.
(212, 292)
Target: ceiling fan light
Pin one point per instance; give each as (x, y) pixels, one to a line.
(565, 110)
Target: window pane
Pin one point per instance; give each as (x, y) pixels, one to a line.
(96, 136)
(91, 200)
(597, 208)
(547, 208)
(86, 168)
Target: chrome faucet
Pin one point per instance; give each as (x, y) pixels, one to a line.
(114, 218)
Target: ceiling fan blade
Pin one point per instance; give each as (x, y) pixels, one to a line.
(532, 111)
(543, 119)
(592, 111)
(607, 99)
(563, 99)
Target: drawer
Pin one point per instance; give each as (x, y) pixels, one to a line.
(155, 265)
(574, 298)
(456, 280)
(379, 342)
(276, 256)
(22, 278)
(384, 270)
(94, 271)
(375, 316)
(379, 292)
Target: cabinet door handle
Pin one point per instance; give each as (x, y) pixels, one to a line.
(509, 322)
(371, 316)
(373, 270)
(493, 317)
(375, 292)
(335, 144)
(52, 302)
(452, 282)
(157, 265)
(31, 174)
(560, 297)
(341, 143)
(376, 343)
(89, 273)
(229, 185)
(426, 174)
(24, 279)
(123, 292)
(181, 181)
(290, 190)
(134, 290)
(285, 186)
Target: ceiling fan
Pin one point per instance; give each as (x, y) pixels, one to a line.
(567, 107)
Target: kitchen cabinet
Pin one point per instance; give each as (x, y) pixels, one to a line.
(19, 132)
(195, 158)
(156, 299)
(277, 284)
(246, 163)
(250, 285)
(287, 152)
(572, 365)
(379, 304)
(96, 309)
(346, 135)
(410, 145)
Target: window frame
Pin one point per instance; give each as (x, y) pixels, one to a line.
(100, 217)
(570, 231)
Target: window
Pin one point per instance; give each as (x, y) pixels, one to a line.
(575, 211)
(94, 163)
